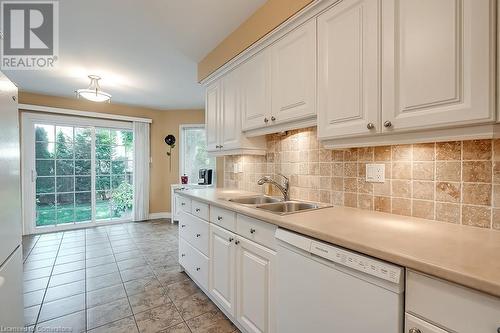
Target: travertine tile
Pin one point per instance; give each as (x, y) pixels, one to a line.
(423, 152)
(365, 154)
(364, 187)
(477, 150)
(350, 169)
(350, 184)
(382, 204)
(423, 190)
(401, 170)
(496, 196)
(401, 206)
(337, 184)
(476, 216)
(158, 318)
(423, 170)
(423, 209)
(351, 154)
(476, 171)
(496, 219)
(350, 199)
(447, 212)
(382, 153)
(324, 196)
(448, 192)
(448, 171)
(401, 153)
(401, 188)
(365, 201)
(476, 194)
(382, 188)
(449, 150)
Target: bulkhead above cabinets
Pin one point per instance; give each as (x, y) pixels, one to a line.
(365, 72)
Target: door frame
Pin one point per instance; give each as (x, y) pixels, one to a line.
(28, 120)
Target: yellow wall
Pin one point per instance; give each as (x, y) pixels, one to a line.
(269, 16)
(164, 122)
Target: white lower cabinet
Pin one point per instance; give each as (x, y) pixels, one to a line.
(255, 279)
(222, 268)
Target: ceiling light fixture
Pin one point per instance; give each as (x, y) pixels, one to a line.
(93, 92)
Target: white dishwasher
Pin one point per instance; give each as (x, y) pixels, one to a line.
(327, 289)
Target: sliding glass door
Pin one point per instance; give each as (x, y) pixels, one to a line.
(81, 171)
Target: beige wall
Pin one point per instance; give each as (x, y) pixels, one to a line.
(164, 122)
(265, 19)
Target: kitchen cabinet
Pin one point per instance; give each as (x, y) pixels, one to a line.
(223, 119)
(255, 277)
(223, 268)
(293, 75)
(348, 69)
(438, 63)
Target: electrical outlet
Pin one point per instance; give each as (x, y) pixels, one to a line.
(375, 173)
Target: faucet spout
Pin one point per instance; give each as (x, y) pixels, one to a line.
(284, 189)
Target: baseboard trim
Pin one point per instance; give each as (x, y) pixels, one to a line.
(160, 215)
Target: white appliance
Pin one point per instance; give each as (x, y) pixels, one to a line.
(327, 289)
(11, 274)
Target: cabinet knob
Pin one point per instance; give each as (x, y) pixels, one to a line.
(231, 239)
(183, 225)
(237, 242)
(219, 218)
(216, 146)
(183, 255)
(252, 231)
(198, 235)
(414, 330)
(198, 269)
(388, 124)
(197, 210)
(273, 118)
(183, 204)
(266, 120)
(370, 126)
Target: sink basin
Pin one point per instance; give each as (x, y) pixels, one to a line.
(255, 200)
(289, 207)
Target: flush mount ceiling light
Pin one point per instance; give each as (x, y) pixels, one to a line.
(93, 92)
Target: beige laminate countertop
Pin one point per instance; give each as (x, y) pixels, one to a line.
(465, 255)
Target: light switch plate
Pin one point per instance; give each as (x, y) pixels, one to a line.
(375, 173)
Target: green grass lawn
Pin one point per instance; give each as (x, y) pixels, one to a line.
(80, 213)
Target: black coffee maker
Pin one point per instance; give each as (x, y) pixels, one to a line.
(205, 177)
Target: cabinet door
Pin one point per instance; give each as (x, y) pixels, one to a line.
(348, 69)
(293, 67)
(212, 110)
(230, 122)
(222, 268)
(255, 276)
(438, 68)
(255, 75)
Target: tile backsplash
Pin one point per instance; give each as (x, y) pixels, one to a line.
(457, 182)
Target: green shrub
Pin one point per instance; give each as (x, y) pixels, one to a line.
(123, 198)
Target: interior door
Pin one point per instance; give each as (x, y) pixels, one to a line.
(294, 75)
(222, 268)
(230, 130)
(348, 69)
(255, 287)
(212, 113)
(438, 63)
(255, 76)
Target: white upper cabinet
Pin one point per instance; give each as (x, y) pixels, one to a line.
(230, 129)
(293, 75)
(212, 111)
(256, 83)
(438, 63)
(348, 69)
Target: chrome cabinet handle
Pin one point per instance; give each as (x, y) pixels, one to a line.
(198, 235)
(388, 124)
(230, 239)
(237, 242)
(273, 118)
(183, 255)
(370, 126)
(183, 204)
(252, 230)
(198, 269)
(266, 120)
(414, 330)
(219, 218)
(183, 225)
(221, 146)
(197, 210)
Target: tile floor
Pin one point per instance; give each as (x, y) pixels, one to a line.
(117, 278)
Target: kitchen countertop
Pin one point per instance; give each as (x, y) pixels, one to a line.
(465, 255)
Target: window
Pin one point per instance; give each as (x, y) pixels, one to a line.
(193, 152)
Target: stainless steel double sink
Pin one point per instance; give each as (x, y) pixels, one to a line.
(276, 205)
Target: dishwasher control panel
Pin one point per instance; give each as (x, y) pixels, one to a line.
(358, 262)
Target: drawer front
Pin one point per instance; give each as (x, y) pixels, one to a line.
(197, 266)
(258, 231)
(185, 204)
(453, 307)
(184, 253)
(223, 218)
(199, 209)
(195, 231)
(413, 324)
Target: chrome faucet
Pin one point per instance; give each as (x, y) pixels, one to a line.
(285, 188)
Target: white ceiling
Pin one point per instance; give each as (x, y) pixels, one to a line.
(146, 51)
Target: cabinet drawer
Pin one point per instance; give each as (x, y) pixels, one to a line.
(195, 231)
(196, 264)
(223, 217)
(199, 209)
(185, 203)
(453, 307)
(258, 231)
(421, 326)
(184, 253)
